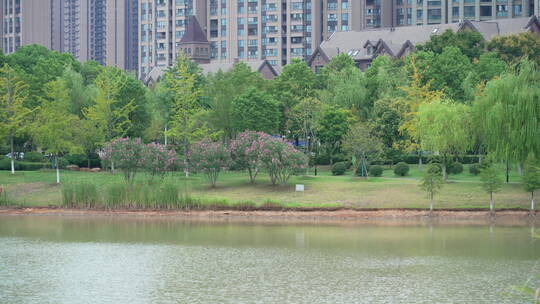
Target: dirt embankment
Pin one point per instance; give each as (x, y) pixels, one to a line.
(341, 215)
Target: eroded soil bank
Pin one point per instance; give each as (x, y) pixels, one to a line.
(398, 216)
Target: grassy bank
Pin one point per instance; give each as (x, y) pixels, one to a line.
(463, 191)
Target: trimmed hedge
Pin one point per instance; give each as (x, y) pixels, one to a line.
(375, 171)
(401, 169)
(5, 164)
(34, 157)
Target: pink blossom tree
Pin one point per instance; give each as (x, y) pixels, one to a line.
(158, 160)
(281, 160)
(246, 151)
(209, 158)
(126, 154)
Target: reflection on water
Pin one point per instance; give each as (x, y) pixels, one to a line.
(120, 260)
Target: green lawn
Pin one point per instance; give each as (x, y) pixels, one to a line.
(37, 188)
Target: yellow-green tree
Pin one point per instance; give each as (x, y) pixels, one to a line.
(187, 125)
(55, 126)
(106, 114)
(417, 94)
(13, 113)
(444, 128)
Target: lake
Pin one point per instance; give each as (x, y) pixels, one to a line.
(77, 259)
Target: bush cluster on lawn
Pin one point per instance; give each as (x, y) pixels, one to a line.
(5, 164)
(475, 169)
(375, 171)
(339, 168)
(455, 168)
(401, 169)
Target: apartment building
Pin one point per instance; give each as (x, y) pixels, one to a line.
(100, 30)
(394, 13)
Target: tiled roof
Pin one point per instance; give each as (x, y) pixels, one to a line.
(194, 32)
(394, 40)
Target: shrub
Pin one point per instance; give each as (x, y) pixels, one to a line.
(62, 163)
(5, 164)
(375, 171)
(209, 158)
(475, 169)
(34, 157)
(455, 168)
(29, 166)
(339, 168)
(401, 169)
(80, 160)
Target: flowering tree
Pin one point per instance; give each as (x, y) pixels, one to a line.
(282, 160)
(210, 158)
(246, 151)
(157, 160)
(126, 154)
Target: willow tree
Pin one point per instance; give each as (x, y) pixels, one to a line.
(508, 114)
(444, 128)
(13, 113)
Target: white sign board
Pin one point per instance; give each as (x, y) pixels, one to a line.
(299, 188)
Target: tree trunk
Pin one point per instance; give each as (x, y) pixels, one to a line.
(445, 174)
(12, 153)
(518, 166)
(57, 170)
(491, 202)
(165, 133)
(112, 166)
(88, 161)
(420, 161)
(186, 164)
(532, 200)
(507, 172)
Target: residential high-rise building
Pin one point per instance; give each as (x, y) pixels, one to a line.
(279, 31)
(100, 30)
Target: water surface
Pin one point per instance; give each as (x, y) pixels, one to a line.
(55, 259)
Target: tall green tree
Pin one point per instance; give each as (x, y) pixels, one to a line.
(334, 125)
(486, 68)
(13, 113)
(470, 43)
(160, 104)
(507, 114)
(531, 177)
(186, 123)
(347, 89)
(106, 114)
(432, 182)
(55, 125)
(362, 147)
(444, 128)
(81, 95)
(295, 83)
(514, 48)
(304, 122)
(38, 66)
(491, 182)
(255, 111)
(224, 87)
(445, 71)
